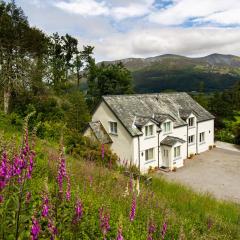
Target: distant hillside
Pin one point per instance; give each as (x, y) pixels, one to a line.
(180, 73)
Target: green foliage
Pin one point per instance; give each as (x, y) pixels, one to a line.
(77, 114)
(107, 80)
(187, 214)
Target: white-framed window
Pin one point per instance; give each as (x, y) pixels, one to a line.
(113, 127)
(177, 151)
(202, 137)
(191, 122)
(167, 127)
(165, 153)
(191, 139)
(149, 130)
(149, 154)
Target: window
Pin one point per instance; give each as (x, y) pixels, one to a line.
(191, 139)
(177, 152)
(167, 127)
(113, 127)
(191, 122)
(202, 137)
(149, 130)
(149, 154)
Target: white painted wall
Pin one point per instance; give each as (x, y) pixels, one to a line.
(122, 142)
(208, 128)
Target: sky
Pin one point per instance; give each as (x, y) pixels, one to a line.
(142, 28)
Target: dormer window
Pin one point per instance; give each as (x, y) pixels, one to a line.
(167, 127)
(149, 131)
(113, 127)
(191, 122)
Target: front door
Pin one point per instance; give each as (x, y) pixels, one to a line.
(165, 157)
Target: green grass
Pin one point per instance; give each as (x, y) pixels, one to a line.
(187, 213)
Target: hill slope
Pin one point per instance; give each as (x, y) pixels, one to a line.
(186, 214)
(213, 72)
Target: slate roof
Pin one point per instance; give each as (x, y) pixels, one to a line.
(157, 106)
(100, 132)
(170, 141)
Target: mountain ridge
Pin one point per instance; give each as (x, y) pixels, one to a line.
(181, 73)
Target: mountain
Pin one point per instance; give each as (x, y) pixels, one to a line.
(214, 72)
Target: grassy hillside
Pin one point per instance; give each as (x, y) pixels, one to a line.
(186, 215)
(217, 72)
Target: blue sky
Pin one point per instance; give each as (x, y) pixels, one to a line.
(142, 28)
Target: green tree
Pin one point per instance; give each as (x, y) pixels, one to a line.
(77, 114)
(20, 45)
(106, 80)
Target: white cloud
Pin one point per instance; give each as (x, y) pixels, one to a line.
(84, 7)
(119, 11)
(156, 41)
(217, 11)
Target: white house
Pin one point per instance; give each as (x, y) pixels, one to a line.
(152, 130)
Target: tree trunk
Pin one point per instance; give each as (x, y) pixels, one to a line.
(6, 99)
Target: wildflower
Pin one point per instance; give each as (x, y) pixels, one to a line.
(45, 207)
(164, 230)
(35, 229)
(4, 171)
(30, 166)
(28, 197)
(61, 172)
(68, 192)
(151, 230)
(52, 229)
(104, 221)
(1, 198)
(133, 209)
(78, 211)
(103, 151)
(119, 236)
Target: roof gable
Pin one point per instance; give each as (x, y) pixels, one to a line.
(157, 106)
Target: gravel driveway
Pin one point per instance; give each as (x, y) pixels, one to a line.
(216, 171)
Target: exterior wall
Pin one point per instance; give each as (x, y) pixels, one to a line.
(147, 143)
(122, 142)
(208, 128)
(192, 147)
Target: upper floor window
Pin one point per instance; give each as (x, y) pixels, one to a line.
(191, 122)
(177, 152)
(149, 131)
(191, 139)
(167, 127)
(113, 127)
(202, 137)
(149, 154)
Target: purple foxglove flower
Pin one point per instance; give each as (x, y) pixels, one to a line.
(103, 151)
(151, 230)
(35, 229)
(68, 192)
(61, 172)
(119, 236)
(28, 197)
(104, 218)
(45, 207)
(1, 198)
(52, 229)
(164, 230)
(133, 209)
(78, 211)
